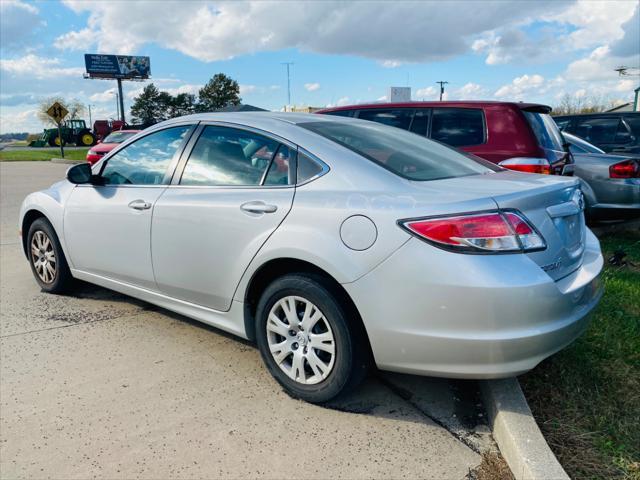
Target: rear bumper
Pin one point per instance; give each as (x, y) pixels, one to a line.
(471, 316)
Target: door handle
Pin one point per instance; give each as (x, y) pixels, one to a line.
(258, 207)
(139, 205)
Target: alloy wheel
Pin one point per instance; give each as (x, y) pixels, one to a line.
(300, 340)
(43, 257)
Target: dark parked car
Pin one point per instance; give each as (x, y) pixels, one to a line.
(612, 132)
(610, 182)
(519, 136)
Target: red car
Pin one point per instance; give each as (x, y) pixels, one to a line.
(110, 142)
(519, 136)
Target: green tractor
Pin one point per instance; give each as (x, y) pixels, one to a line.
(72, 131)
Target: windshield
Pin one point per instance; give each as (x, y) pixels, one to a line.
(403, 153)
(118, 137)
(545, 130)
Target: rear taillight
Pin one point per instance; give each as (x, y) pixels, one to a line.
(492, 232)
(527, 164)
(626, 169)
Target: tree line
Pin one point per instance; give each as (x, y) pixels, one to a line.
(154, 105)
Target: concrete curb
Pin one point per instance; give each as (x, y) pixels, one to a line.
(516, 432)
(65, 160)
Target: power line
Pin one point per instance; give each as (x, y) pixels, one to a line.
(288, 64)
(442, 84)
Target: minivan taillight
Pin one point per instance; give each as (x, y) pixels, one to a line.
(492, 232)
(626, 169)
(527, 164)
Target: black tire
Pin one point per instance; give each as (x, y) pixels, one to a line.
(350, 362)
(62, 280)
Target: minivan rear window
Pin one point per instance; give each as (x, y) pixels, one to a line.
(403, 153)
(545, 129)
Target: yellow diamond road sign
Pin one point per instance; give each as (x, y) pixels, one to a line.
(57, 112)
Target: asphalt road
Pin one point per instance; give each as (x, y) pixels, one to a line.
(98, 384)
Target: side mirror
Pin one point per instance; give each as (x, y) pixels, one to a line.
(79, 174)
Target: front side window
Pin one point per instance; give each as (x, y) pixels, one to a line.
(399, 151)
(225, 156)
(396, 117)
(457, 127)
(145, 162)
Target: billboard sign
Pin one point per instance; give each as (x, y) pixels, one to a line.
(117, 66)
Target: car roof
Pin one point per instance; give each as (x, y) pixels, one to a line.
(257, 118)
(446, 103)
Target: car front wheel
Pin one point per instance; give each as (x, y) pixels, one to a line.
(47, 260)
(306, 340)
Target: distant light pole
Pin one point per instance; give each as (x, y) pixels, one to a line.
(288, 64)
(90, 123)
(442, 84)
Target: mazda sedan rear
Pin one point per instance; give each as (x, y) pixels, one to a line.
(334, 243)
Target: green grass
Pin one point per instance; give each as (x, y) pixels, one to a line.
(41, 154)
(586, 398)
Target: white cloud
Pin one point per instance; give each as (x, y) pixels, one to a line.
(218, 31)
(19, 120)
(520, 87)
(597, 22)
(342, 101)
(244, 89)
(39, 67)
(427, 93)
(106, 96)
(383, 98)
(311, 87)
(390, 63)
(469, 91)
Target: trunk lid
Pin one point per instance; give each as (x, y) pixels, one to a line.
(552, 204)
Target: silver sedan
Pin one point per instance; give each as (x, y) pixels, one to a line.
(611, 183)
(336, 244)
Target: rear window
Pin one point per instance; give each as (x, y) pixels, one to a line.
(457, 126)
(545, 130)
(399, 151)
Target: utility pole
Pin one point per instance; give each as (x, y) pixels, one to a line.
(442, 84)
(288, 64)
(90, 123)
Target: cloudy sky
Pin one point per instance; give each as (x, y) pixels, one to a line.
(343, 52)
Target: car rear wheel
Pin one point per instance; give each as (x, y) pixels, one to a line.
(47, 260)
(305, 338)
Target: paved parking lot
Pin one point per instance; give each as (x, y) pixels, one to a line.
(101, 385)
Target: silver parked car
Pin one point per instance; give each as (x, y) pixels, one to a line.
(332, 242)
(611, 183)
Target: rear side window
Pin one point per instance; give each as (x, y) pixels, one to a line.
(562, 124)
(279, 172)
(602, 130)
(398, 117)
(458, 126)
(307, 168)
(225, 156)
(399, 151)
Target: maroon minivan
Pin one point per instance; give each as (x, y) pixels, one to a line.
(519, 136)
